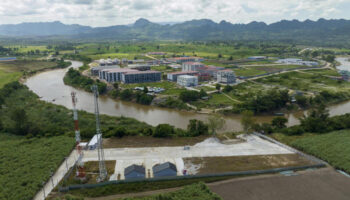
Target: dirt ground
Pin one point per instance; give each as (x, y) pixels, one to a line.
(139, 141)
(208, 165)
(321, 184)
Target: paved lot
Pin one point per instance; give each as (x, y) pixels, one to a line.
(148, 157)
(321, 184)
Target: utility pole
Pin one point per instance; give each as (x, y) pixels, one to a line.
(80, 163)
(101, 157)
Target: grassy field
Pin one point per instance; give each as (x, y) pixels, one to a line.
(194, 192)
(332, 147)
(13, 70)
(313, 81)
(7, 77)
(26, 163)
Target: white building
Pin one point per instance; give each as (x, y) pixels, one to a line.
(187, 80)
(296, 61)
(191, 66)
(226, 76)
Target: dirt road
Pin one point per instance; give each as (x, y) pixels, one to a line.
(321, 184)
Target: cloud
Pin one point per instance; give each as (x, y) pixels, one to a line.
(111, 12)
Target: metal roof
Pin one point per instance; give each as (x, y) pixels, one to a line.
(161, 167)
(137, 168)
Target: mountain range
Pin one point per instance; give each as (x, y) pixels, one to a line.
(335, 31)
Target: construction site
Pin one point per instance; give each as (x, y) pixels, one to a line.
(90, 163)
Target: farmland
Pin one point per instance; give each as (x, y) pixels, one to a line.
(332, 147)
(13, 70)
(26, 163)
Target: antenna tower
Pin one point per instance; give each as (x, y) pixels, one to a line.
(101, 157)
(80, 163)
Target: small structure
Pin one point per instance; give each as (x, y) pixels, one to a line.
(134, 172)
(226, 76)
(164, 170)
(94, 142)
(187, 80)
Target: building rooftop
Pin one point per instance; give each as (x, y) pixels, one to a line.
(192, 63)
(161, 167)
(120, 70)
(187, 76)
(142, 72)
(184, 72)
(137, 168)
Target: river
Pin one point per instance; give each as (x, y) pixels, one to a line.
(49, 87)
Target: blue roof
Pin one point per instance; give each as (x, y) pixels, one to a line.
(137, 168)
(161, 167)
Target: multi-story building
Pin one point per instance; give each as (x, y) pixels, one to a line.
(211, 70)
(141, 76)
(226, 76)
(187, 80)
(95, 71)
(191, 66)
(173, 76)
(114, 75)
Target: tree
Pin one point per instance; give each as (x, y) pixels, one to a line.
(187, 96)
(279, 122)
(219, 55)
(202, 93)
(197, 127)
(228, 88)
(218, 86)
(317, 120)
(116, 86)
(20, 121)
(126, 94)
(216, 123)
(230, 58)
(145, 90)
(163, 130)
(247, 120)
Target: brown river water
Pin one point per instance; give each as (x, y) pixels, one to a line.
(49, 87)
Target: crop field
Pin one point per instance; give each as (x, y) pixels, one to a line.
(332, 147)
(26, 163)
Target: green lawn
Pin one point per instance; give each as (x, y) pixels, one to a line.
(26, 163)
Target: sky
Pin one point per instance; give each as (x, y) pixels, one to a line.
(98, 13)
